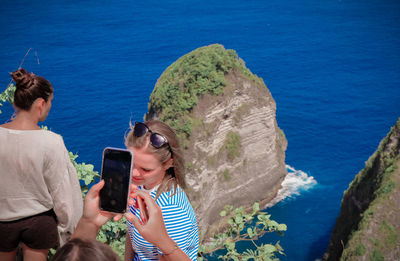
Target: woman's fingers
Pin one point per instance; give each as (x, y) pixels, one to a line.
(134, 220)
(131, 201)
(151, 204)
(133, 188)
(142, 209)
(118, 217)
(95, 189)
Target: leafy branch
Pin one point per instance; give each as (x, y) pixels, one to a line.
(244, 226)
(7, 95)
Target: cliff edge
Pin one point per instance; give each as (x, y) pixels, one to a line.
(368, 225)
(225, 118)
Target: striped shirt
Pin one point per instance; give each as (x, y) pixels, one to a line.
(180, 221)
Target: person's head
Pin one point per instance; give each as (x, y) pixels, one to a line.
(157, 156)
(80, 249)
(32, 90)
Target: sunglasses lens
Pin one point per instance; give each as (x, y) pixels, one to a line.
(157, 140)
(140, 129)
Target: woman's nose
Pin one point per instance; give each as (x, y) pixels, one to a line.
(135, 172)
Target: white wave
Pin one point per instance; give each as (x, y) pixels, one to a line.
(294, 183)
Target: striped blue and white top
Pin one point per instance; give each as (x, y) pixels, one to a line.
(180, 221)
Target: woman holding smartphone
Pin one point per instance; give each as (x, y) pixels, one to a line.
(39, 188)
(159, 170)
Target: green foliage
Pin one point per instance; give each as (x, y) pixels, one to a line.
(190, 77)
(113, 233)
(386, 188)
(86, 173)
(7, 95)
(376, 255)
(360, 250)
(242, 111)
(227, 175)
(232, 145)
(244, 226)
(224, 175)
(389, 233)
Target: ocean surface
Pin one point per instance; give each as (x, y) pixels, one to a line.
(333, 68)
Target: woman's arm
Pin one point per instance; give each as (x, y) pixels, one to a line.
(154, 230)
(171, 251)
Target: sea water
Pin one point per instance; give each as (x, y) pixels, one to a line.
(333, 68)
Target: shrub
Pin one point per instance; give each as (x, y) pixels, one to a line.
(360, 250)
(376, 255)
(232, 145)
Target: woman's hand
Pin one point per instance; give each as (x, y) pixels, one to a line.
(152, 228)
(93, 218)
(91, 209)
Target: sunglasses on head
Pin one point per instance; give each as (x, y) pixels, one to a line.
(156, 139)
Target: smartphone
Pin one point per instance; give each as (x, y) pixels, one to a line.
(116, 172)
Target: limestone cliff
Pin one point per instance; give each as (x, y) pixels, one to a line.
(225, 118)
(368, 226)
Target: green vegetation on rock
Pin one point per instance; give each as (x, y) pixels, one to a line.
(360, 250)
(181, 85)
(232, 145)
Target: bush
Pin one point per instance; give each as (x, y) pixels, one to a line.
(232, 145)
(360, 250)
(376, 255)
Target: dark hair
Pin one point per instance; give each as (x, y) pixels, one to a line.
(176, 174)
(78, 249)
(29, 87)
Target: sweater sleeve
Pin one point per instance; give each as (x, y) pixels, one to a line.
(63, 184)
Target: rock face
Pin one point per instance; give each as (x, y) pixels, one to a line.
(368, 225)
(255, 174)
(235, 153)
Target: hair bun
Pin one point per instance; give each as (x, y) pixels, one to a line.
(22, 78)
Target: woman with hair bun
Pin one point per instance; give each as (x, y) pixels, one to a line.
(39, 190)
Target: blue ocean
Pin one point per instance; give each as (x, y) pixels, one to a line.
(333, 68)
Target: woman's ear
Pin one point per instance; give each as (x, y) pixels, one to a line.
(40, 102)
(169, 163)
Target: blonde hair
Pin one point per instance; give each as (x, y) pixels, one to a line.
(175, 175)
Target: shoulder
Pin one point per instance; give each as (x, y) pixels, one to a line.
(53, 137)
(171, 198)
(176, 203)
(53, 142)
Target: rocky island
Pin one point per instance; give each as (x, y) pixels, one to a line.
(225, 118)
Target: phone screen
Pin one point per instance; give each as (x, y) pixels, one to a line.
(116, 172)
